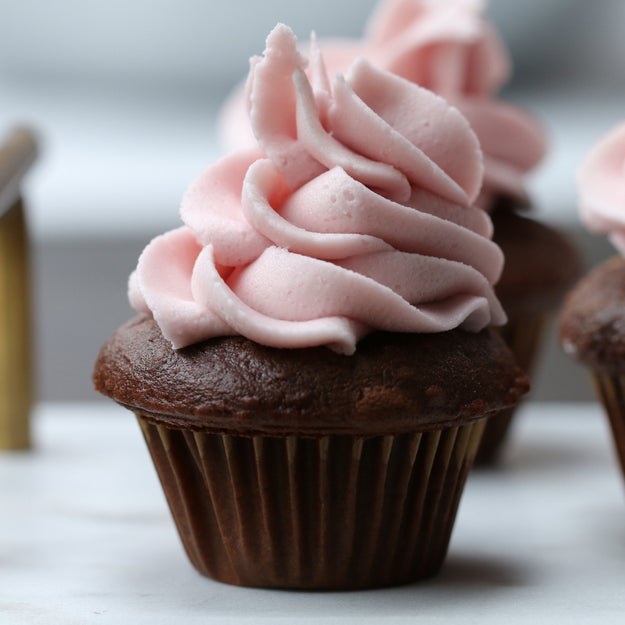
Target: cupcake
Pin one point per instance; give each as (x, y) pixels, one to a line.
(452, 49)
(312, 363)
(592, 321)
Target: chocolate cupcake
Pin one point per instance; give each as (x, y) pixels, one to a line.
(452, 49)
(313, 364)
(592, 321)
(304, 468)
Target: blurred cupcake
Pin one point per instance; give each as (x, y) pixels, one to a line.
(311, 408)
(451, 49)
(592, 321)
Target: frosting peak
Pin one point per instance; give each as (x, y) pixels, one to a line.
(449, 47)
(362, 123)
(354, 213)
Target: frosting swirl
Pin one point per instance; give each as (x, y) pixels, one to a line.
(601, 187)
(447, 47)
(451, 49)
(354, 213)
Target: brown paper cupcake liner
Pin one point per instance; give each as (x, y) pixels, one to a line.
(524, 334)
(337, 512)
(611, 391)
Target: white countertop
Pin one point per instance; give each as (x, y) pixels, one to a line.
(86, 538)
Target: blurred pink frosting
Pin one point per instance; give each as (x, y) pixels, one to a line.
(447, 47)
(601, 187)
(353, 213)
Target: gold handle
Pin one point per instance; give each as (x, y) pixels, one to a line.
(16, 155)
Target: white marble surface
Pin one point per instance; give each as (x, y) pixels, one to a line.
(86, 538)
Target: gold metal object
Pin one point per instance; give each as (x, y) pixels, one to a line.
(17, 153)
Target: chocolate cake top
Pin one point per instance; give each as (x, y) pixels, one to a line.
(592, 322)
(393, 383)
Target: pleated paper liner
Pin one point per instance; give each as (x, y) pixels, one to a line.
(611, 392)
(523, 334)
(337, 512)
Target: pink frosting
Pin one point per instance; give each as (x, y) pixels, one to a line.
(450, 48)
(601, 185)
(447, 47)
(353, 213)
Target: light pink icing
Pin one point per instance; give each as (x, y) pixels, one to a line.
(447, 47)
(354, 213)
(601, 186)
(450, 48)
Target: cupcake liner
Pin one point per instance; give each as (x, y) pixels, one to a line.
(524, 335)
(611, 391)
(336, 512)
